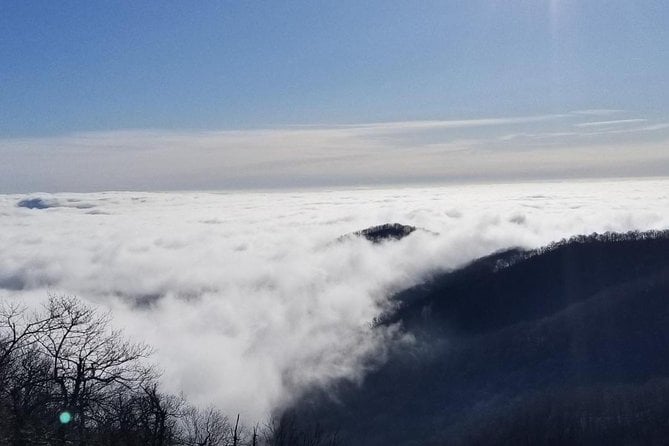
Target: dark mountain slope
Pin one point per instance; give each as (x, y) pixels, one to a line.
(568, 344)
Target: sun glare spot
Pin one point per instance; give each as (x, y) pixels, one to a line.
(65, 417)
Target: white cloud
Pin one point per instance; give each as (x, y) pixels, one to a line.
(610, 123)
(404, 126)
(251, 299)
(295, 156)
(654, 127)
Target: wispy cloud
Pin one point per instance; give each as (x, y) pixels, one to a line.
(406, 126)
(598, 111)
(654, 127)
(610, 123)
(635, 129)
(302, 155)
(590, 130)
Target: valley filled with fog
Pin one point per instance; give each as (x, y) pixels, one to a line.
(251, 298)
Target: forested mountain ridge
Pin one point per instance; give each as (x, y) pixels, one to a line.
(565, 344)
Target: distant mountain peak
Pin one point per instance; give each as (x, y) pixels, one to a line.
(380, 233)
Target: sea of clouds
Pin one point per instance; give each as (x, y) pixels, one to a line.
(248, 297)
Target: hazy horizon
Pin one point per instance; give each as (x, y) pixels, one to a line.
(262, 95)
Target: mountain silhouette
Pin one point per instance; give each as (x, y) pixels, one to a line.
(568, 344)
(380, 233)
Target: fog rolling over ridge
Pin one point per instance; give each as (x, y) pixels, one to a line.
(566, 344)
(254, 294)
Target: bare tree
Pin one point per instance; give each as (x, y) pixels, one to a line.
(87, 358)
(18, 330)
(24, 375)
(206, 427)
(159, 415)
(288, 430)
(68, 378)
(254, 436)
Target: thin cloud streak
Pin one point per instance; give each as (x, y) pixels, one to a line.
(607, 123)
(404, 126)
(598, 111)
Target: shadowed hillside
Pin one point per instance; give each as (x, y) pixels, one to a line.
(566, 344)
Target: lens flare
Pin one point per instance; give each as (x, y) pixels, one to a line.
(65, 417)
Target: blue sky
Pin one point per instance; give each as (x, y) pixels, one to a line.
(78, 67)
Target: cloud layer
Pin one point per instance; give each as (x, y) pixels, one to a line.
(574, 144)
(247, 297)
